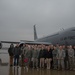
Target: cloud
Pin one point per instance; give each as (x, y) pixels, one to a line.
(17, 17)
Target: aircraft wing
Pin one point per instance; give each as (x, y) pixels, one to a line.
(38, 43)
(14, 42)
(27, 42)
(35, 42)
(9, 42)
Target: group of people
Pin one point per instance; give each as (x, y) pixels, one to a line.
(59, 57)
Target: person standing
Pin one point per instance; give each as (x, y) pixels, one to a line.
(60, 57)
(52, 48)
(22, 55)
(11, 54)
(74, 56)
(35, 54)
(27, 56)
(41, 56)
(55, 63)
(17, 52)
(48, 57)
(71, 57)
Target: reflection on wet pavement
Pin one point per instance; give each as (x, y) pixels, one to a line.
(3, 64)
(23, 71)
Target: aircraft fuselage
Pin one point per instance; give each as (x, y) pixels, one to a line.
(66, 37)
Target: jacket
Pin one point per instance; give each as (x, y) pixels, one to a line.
(17, 51)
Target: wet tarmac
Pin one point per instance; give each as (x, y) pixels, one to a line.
(7, 70)
(22, 71)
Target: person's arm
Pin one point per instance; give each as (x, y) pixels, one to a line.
(19, 51)
(73, 52)
(8, 50)
(14, 51)
(57, 56)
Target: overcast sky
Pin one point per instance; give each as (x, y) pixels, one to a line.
(17, 18)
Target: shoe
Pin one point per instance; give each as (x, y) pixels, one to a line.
(17, 66)
(70, 68)
(11, 65)
(33, 67)
(48, 68)
(74, 69)
(37, 67)
(27, 69)
(58, 69)
(62, 69)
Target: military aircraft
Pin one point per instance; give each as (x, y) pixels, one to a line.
(65, 37)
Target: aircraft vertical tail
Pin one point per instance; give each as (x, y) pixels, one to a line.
(35, 34)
